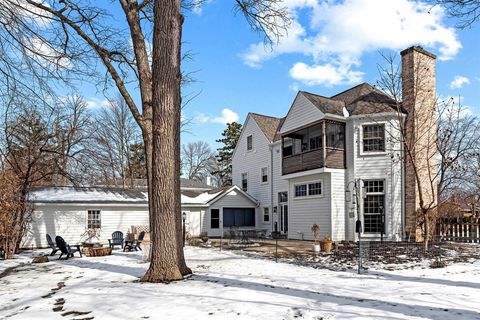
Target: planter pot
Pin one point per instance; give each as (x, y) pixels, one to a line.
(316, 248)
(326, 245)
(146, 251)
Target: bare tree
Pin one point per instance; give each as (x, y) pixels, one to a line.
(116, 131)
(466, 11)
(70, 37)
(196, 160)
(435, 136)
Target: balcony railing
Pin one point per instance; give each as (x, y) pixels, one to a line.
(334, 158)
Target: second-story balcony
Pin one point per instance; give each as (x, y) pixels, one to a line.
(321, 145)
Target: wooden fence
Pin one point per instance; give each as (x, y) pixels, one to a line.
(459, 230)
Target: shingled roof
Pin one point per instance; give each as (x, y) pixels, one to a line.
(268, 125)
(365, 99)
(324, 104)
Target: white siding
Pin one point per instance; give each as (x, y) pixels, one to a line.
(70, 222)
(301, 113)
(252, 162)
(233, 199)
(195, 222)
(304, 212)
(338, 204)
(387, 166)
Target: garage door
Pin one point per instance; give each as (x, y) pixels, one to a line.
(238, 217)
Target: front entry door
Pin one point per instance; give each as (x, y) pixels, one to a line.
(283, 219)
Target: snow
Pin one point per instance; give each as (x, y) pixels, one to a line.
(236, 286)
(202, 198)
(79, 195)
(71, 194)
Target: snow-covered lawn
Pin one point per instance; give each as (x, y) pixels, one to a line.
(227, 285)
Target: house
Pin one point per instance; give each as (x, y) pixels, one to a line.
(71, 211)
(300, 167)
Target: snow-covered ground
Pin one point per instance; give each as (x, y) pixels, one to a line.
(227, 285)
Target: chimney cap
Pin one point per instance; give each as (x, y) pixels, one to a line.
(418, 49)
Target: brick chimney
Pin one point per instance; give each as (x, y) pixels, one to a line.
(419, 100)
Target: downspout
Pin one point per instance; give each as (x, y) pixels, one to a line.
(271, 186)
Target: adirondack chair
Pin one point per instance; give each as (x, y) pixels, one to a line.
(66, 249)
(117, 239)
(52, 245)
(135, 244)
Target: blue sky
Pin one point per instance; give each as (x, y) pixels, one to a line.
(330, 47)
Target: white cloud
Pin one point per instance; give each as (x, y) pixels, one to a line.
(201, 118)
(454, 108)
(458, 82)
(97, 103)
(339, 33)
(327, 74)
(228, 116)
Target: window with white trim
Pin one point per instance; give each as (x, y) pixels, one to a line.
(300, 190)
(244, 182)
(373, 206)
(373, 138)
(214, 218)
(249, 142)
(94, 219)
(266, 214)
(264, 174)
(313, 188)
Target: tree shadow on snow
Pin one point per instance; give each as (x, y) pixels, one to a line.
(394, 307)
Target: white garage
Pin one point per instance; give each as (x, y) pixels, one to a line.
(72, 211)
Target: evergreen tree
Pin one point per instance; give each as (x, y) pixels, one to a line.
(230, 138)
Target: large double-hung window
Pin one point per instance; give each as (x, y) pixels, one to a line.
(374, 206)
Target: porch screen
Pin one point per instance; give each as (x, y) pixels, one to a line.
(238, 217)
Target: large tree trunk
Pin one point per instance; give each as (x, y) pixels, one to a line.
(167, 258)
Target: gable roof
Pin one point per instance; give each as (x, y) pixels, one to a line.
(366, 99)
(268, 125)
(324, 104)
(226, 190)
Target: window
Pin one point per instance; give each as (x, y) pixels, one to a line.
(308, 189)
(94, 219)
(300, 190)
(282, 197)
(373, 206)
(266, 214)
(244, 181)
(264, 174)
(214, 218)
(250, 142)
(315, 189)
(335, 135)
(374, 138)
(287, 147)
(238, 217)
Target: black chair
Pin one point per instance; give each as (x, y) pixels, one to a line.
(117, 239)
(134, 244)
(66, 249)
(52, 245)
(2, 254)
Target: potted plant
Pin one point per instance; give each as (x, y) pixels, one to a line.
(326, 243)
(316, 238)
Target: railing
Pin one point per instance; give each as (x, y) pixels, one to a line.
(335, 158)
(304, 161)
